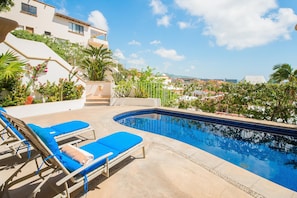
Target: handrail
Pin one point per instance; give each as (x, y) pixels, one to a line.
(43, 59)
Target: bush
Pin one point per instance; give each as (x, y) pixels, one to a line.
(65, 90)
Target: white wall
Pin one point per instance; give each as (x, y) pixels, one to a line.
(43, 18)
(35, 53)
(47, 21)
(24, 111)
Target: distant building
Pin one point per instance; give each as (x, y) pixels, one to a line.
(40, 18)
(254, 79)
(223, 80)
(231, 80)
(166, 79)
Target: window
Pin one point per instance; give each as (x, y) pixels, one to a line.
(47, 33)
(26, 8)
(76, 28)
(30, 29)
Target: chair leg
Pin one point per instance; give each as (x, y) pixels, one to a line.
(67, 190)
(37, 189)
(143, 152)
(106, 172)
(94, 134)
(10, 182)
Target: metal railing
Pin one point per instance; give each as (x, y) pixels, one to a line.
(147, 90)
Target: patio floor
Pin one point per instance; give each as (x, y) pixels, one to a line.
(170, 169)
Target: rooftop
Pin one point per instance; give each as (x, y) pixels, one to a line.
(170, 169)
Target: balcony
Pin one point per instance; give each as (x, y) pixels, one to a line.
(95, 42)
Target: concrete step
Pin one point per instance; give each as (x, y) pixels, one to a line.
(95, 100)
(97, 103)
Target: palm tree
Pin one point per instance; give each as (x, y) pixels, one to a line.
(283, 72)
(10, 66)
(97, 61)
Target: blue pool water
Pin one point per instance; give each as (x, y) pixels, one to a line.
(270, 155)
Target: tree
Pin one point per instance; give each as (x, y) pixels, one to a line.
(10, 66)
(5, 5)
(96, 63)
(283, 72)
(11, 89)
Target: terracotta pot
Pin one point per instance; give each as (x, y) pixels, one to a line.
(29, 100)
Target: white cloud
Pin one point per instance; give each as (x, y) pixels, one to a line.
(155, 42)
(158, 7)
(164, 21)
(183, 25)
(119, 54)
(133, 42)
(239, 24)
(169, 54)
(136, 62)
(97, 19)
(62, 11)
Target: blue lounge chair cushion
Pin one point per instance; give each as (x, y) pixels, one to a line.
(94, 148)
(65, 127)
(115, 143)
(48, 139)
(68, 127)
(120, 141)
(3, 118)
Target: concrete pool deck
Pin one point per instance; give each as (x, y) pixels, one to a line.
(170, 169)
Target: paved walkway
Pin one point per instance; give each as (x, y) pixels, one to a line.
(171, 168)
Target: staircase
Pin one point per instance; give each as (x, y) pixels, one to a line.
(98, 93)
(97, 101)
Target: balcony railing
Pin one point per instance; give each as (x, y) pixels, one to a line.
(95, 42)
(147, 90)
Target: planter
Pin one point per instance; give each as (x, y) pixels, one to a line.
(44, 108)
(100, 89)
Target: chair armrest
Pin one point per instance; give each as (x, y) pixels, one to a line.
(72, 174)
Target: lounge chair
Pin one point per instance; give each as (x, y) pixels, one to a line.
(107, 152)
(14, 140)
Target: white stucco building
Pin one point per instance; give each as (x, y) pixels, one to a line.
(40, 18)
(254, 79)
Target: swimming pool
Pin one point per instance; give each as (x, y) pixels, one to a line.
(268, 151)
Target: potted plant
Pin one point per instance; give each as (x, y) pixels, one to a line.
(95, 66)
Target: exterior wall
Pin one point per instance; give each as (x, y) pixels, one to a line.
(37, 22)
(24, 111)
(47, 20)
(36, 53)
(62, 31)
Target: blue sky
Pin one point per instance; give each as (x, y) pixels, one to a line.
(215, 39)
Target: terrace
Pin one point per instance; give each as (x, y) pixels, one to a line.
(170, 169)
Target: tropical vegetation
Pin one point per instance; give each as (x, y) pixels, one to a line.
(13, 91)
(73, 53)
(5, 5)
(144, 84)
(269, 101)
(274, 101)
(283, 73)
(96, 62)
